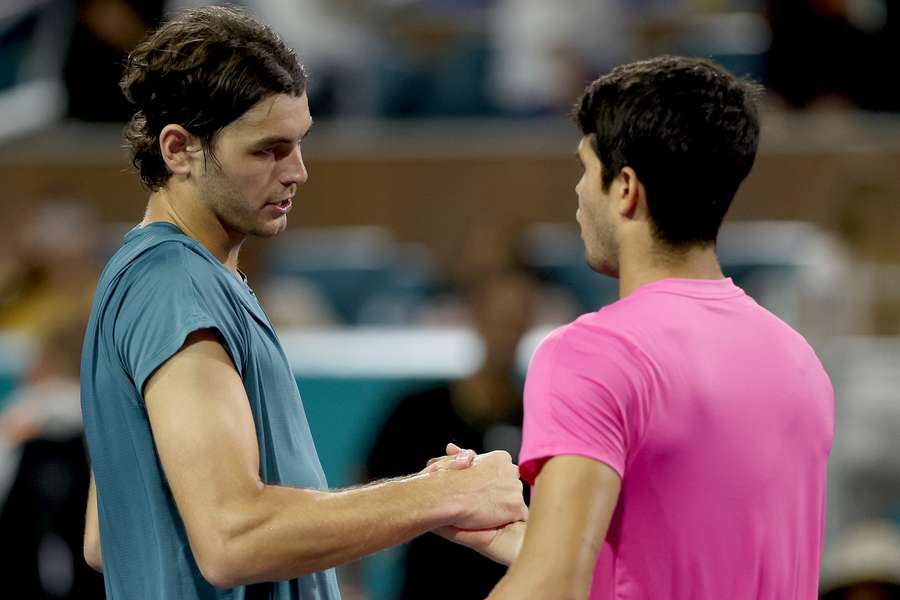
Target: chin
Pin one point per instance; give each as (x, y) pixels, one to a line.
(604, 266)
(271, 229)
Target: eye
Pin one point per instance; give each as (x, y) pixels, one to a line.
(285, 150)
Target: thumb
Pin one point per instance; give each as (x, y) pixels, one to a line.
(453, 449)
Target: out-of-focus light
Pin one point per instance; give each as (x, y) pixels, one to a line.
(31, 105)
(731, 33)
(867, 15)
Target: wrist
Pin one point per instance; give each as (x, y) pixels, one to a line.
(449, 503)
(435, 498)
(507, 544)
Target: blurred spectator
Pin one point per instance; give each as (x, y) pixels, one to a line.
(543, 52)
(47, 403)
(410, 58)
(867, 218)
(437, 60)
(292, 302)
(482, 412)
(44, 469)
(337, 44)
(31, 36)
(863, 564)
(484, 250)
(105, 32)
(51, 270)
(834, 50)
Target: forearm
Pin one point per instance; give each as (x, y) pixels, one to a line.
(571, 507)
(541, 572)
(537, 582)
(242, 530)
(282, 532)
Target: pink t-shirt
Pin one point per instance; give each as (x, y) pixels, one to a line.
(719, 419)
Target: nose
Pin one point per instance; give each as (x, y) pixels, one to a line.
(294, 169)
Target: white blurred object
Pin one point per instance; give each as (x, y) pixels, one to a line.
(38, 96)
(51, 406)
(50, 409)
(292, 302)
(799, 271)
(396, 352)
(332, 43)
(383, 352)
(530, 342)
(543, 50)
(870, 16)
(869, 552)
(31, 105)
(864, 470)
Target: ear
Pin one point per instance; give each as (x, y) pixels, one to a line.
(630, 194)
(179, 149)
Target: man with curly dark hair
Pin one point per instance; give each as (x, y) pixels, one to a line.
(206, 479)
(677, 439)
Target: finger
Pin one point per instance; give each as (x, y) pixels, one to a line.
(452, 450)
(435, 464)
(463, 460)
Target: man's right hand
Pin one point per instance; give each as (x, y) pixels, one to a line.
(489, 493)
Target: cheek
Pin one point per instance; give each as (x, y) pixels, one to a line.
(250, 183)
(588, 207)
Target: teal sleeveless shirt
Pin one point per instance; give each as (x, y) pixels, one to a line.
(160, 286)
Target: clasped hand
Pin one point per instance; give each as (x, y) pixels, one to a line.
(495, 523)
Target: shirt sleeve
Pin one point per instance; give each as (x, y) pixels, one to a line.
(585, 395)
(168, 295)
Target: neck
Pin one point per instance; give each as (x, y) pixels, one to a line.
(641, 264)
(184, 210)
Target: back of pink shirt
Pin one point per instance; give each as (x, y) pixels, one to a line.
(719, 419)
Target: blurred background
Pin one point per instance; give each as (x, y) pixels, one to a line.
(435, 242)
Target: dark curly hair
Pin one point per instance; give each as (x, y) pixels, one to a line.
(202, 70)
(687, 127)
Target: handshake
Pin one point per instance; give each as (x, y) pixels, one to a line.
(491, 512)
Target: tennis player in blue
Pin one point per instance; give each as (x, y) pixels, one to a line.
(206, 482)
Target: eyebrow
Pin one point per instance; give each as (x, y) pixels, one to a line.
(279, 139)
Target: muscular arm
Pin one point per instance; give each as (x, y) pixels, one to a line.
(92, 553)
(573, 501)
(242, 530)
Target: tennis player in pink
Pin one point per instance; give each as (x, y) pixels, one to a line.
(717, 419)
(678, 439)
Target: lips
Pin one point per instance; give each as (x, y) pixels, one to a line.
(281, 206)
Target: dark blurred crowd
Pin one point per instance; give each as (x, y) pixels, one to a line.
(413, 58)
(502, 285)
(429, 58)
